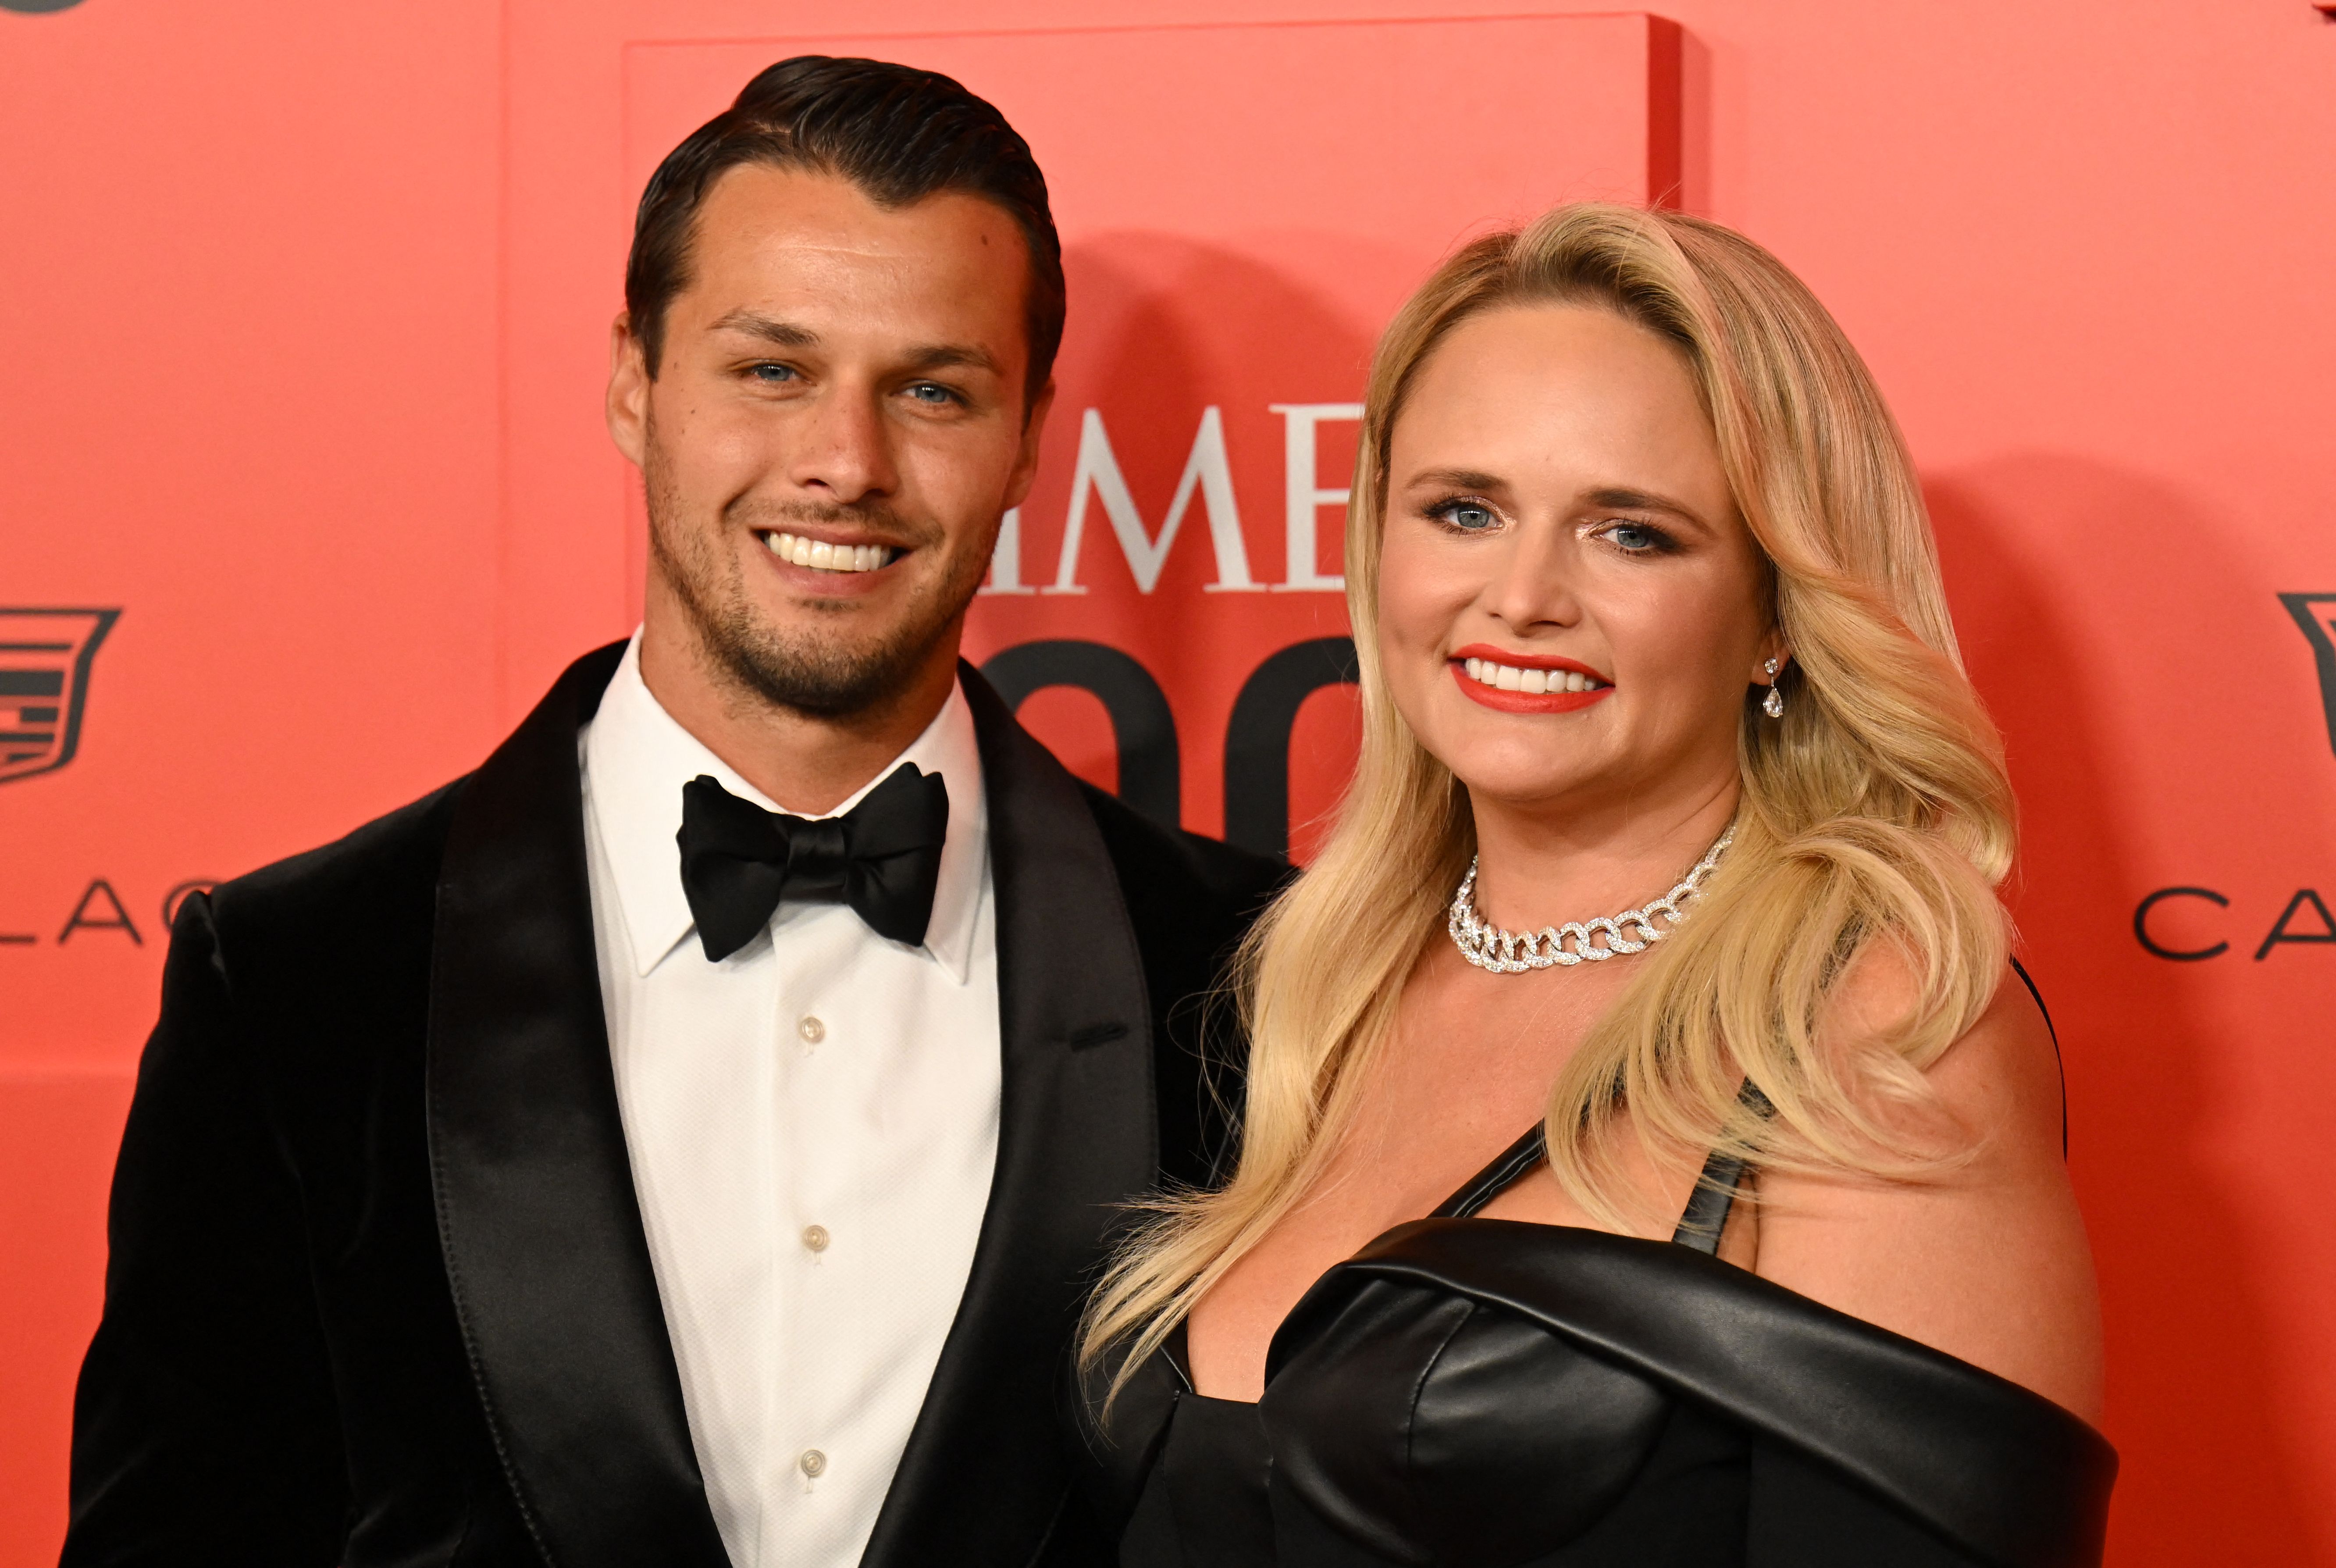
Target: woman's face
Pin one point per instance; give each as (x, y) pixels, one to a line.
(1557, 518)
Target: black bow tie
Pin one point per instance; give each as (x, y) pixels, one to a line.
(883, 857)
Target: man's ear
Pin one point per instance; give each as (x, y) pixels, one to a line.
(1025, 462)
(628, 390)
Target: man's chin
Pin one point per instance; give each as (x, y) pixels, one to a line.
(811, 669)
(824, 689)
(830, 644)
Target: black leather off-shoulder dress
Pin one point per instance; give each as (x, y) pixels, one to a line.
(1474, 1393)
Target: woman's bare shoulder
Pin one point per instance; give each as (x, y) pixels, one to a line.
(1987, 1260)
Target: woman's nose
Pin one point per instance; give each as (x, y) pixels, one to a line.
(1533, 583)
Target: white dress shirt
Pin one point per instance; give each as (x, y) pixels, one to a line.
(812, 1123)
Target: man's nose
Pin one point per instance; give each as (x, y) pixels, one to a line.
(845, 451)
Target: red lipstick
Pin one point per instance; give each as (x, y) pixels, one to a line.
(1524, 701)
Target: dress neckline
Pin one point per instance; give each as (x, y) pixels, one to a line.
(1700, 1223)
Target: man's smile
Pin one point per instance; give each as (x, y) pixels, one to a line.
(822, 555)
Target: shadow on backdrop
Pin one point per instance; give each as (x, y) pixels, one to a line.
(2209, 1475)
(1161, 329)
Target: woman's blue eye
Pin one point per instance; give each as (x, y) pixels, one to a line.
(1467, 515)
(1635, 539)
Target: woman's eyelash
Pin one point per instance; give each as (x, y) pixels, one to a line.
(1444, 513)
(1456, 512)
(1658, 542)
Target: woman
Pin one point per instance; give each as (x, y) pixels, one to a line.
(1788, 1270)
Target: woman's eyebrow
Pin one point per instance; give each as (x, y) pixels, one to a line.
(1459, 478)
(1623, 499)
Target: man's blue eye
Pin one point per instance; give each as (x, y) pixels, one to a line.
(926, 392)
(774, 373)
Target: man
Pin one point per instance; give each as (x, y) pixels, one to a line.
(689, 1137)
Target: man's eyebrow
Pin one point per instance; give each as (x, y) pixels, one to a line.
(928, 356)
(784, 333)
(951, 357)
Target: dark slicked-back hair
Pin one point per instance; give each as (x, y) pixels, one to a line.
(897, 133)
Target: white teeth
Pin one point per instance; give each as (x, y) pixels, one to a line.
(821, 556)
(1532, 682)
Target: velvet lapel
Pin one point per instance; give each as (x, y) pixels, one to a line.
(984, 1473)
(535, 1208)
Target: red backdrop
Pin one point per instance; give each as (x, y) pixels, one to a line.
(306, 305)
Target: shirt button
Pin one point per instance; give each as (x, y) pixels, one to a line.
(816, 1238)
(811, 1029)
(814, 1463)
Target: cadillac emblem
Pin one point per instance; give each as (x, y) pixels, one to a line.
(45, 659)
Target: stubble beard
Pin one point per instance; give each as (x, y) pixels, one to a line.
(825, 672)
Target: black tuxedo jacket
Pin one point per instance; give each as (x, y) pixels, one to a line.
(379, 1292)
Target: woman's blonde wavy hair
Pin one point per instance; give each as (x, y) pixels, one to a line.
(1877, 810)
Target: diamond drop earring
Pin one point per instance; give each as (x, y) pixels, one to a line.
(1773, 705)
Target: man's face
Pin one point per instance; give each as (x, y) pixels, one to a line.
(837, 427)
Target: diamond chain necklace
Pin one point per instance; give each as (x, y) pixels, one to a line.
(1488, 946)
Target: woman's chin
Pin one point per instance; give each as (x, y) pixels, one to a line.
(1529, 785)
